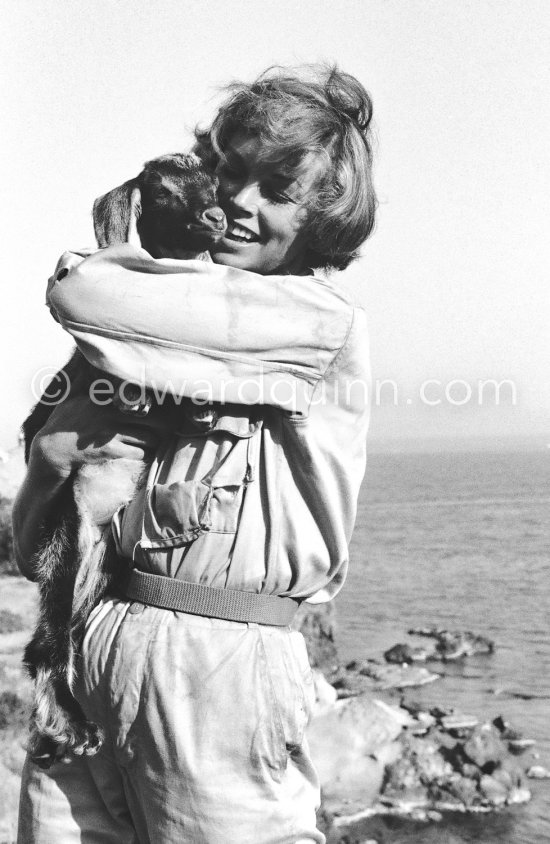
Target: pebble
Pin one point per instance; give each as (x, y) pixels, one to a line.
(537, 772)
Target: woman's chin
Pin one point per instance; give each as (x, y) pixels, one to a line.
(241, 256)
(256, 258)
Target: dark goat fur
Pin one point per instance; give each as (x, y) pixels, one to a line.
(174, 201)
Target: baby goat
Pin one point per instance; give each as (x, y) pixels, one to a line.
(174, 202)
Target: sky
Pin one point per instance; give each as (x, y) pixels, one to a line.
(455, 278)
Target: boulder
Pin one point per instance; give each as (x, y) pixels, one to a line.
(424, 757)
(351, 683)
(456, 790)
(351, 744)
(485, 748)
(317, 623)
(494, 790)
(454, 644)
(537, 772)
(397, 676)
(404, 653)
(325, 694)
(516, 741)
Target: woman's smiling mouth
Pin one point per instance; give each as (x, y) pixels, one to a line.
(240, 234)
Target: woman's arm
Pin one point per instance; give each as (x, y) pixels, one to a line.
(77, 432)
(226, 334)
(38, 493)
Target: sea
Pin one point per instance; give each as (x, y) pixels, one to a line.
(461, 540)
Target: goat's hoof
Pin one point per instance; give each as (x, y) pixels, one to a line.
(88, 738)
(44, 752)
(84, 739)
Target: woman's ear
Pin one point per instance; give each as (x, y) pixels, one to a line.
(115, 215)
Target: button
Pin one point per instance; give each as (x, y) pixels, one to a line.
(136, 607)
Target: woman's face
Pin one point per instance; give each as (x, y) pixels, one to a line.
(265, 208)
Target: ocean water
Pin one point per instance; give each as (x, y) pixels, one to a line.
(461, 540)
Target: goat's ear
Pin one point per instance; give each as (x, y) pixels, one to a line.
(115, 214)
(135, 213)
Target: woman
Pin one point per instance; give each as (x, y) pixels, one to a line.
(205, 710)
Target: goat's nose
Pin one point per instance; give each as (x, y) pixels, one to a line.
(214, 215)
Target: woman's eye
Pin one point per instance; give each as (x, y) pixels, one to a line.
(276, 195)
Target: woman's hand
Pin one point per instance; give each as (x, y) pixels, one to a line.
(80, 431)
(77, 432)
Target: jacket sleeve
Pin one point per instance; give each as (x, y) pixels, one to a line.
(325, 465)
(199, 329)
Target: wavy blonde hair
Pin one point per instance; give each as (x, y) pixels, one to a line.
(310, 109)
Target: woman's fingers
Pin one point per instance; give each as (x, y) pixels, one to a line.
(129, 451)
(80, 432)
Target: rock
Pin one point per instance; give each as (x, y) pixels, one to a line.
(515, 739)
(403, 784)
(518, 796)
(493, 790)
(325, 694)
(537, 772)
(423, 722)
(317, 623)
(398, 713)
(517, 746)
(510, 772)
(450, 719)
(375, 758)
(350, 684)
(432, 632)
(455, 644)
(451, 646)
(350, 744)
(485, 748)
(471, 771)
(403, 653)
(399, 654)
(398, 677)
(462, 791)
(506, 730)
(408, 780)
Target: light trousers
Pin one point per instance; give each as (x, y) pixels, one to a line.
(204, 726)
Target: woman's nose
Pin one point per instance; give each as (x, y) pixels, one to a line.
(246, 197)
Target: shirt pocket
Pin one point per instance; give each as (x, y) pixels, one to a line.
(178, 513)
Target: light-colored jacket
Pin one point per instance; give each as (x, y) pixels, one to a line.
(264, 501)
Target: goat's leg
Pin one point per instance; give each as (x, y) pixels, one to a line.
(58, 724)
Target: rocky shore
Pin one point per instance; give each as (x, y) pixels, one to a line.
(379, 753)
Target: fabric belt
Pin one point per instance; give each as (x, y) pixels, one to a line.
(197, 599)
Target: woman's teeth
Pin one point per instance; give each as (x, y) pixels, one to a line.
(235, 232)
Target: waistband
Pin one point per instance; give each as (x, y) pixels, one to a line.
(198, 599)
